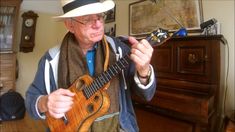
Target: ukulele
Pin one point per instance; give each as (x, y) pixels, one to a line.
(91, 100)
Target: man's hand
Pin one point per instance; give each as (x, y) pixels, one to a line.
(141, 54)
(57, 103)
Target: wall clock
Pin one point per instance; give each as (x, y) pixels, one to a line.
(29, 22)
(28, 31)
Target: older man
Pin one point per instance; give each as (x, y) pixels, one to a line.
(85, 50)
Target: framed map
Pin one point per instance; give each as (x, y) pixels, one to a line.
(146, 15)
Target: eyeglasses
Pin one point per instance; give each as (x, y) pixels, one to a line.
(90, 20)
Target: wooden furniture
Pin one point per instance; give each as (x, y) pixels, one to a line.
(27, 124)
(28, 31)
(229, 125)
(9, 10)
(190, 73)
(7, 71)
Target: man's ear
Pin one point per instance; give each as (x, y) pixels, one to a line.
(69, 25)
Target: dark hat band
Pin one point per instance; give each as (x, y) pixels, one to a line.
(77, 3)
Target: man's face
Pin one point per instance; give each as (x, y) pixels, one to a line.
(88, 29)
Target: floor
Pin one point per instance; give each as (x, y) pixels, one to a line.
(24, 125)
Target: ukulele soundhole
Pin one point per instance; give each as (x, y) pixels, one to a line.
(90, 108)
(96, 98)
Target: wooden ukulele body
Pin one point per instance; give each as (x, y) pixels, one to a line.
(83, 112)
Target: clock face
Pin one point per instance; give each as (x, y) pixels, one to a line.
(29, 22)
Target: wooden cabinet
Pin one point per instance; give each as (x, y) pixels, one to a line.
(7, 71)
(9, 10)
(190, 74)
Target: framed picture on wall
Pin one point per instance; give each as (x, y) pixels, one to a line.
(146, 15)
(110, 29)
(110, 15)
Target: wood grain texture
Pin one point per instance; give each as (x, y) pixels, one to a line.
(7, 71)
(190, 88)
(27, 124)
(84, 111)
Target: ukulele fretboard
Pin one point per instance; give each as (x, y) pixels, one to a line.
(106, 76)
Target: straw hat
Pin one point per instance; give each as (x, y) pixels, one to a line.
(75, 8)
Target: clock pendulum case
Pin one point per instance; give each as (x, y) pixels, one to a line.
(28, 31)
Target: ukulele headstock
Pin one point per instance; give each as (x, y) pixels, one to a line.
(158, 37)
(155, 38)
